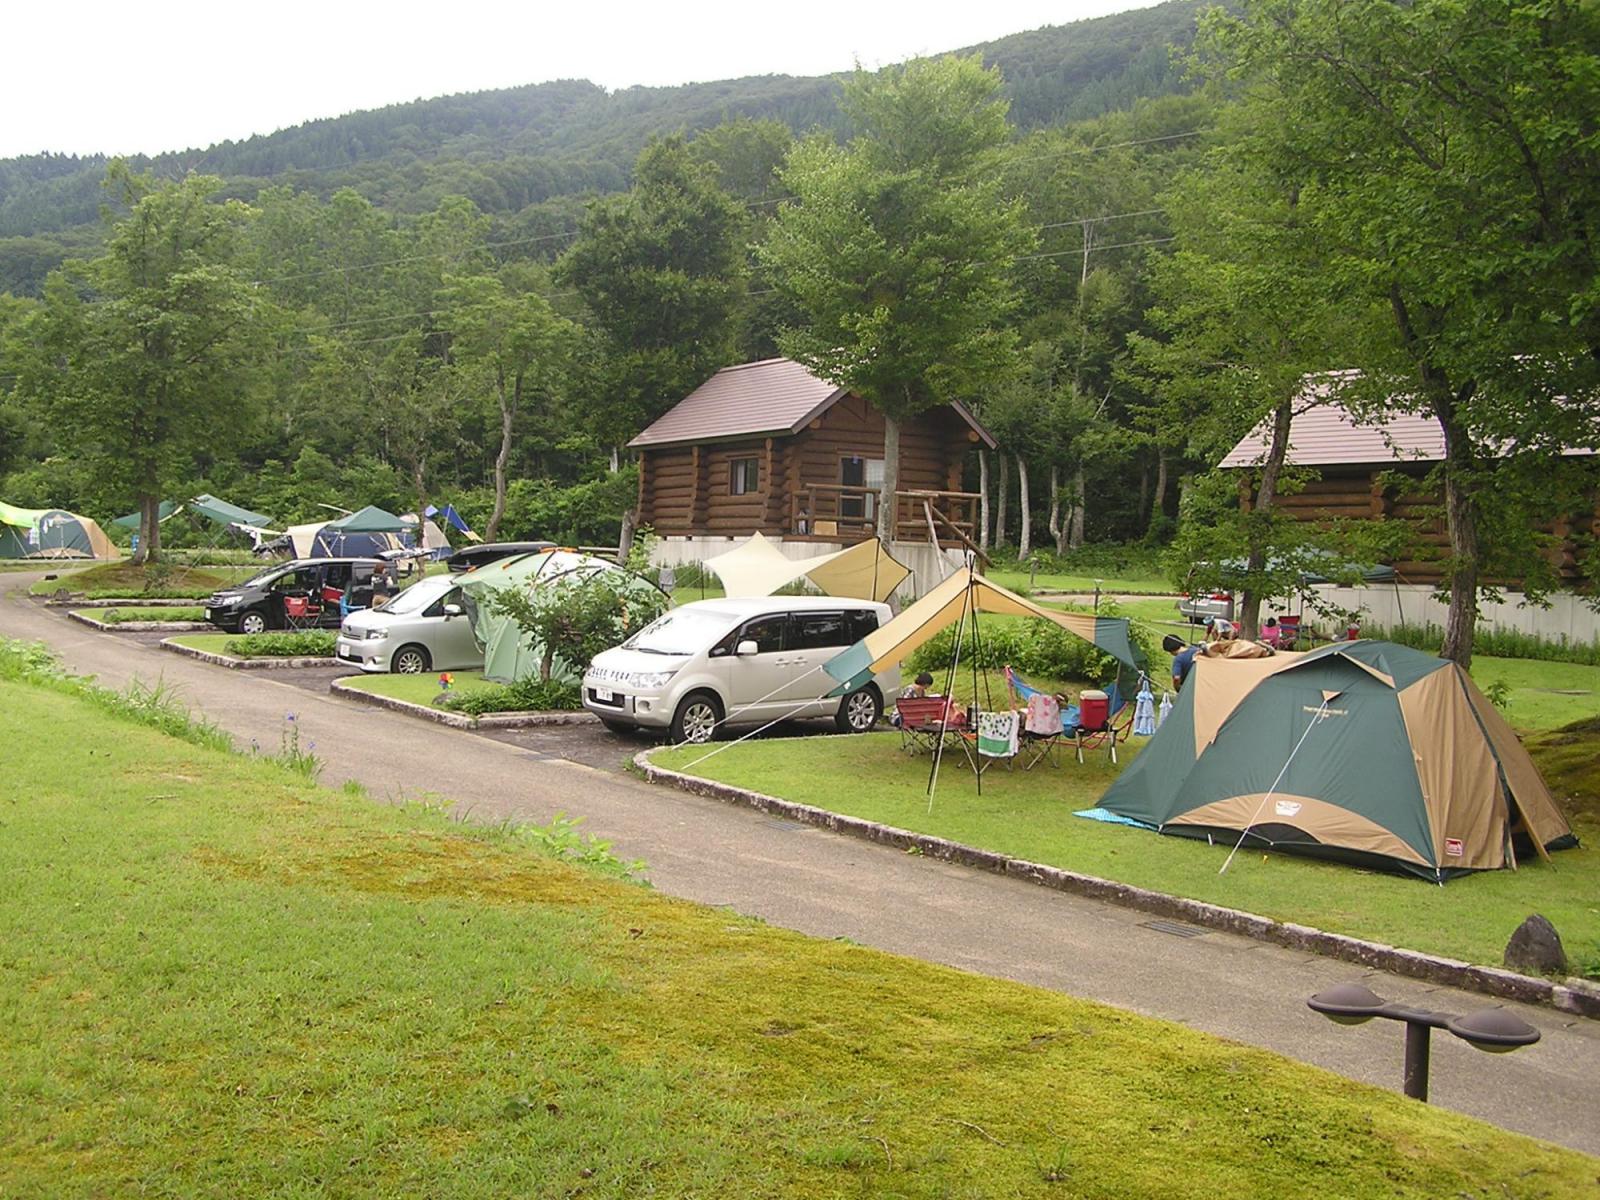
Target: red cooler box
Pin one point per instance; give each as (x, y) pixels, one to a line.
(1093, 709)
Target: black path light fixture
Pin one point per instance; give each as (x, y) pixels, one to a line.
(1491, 1029)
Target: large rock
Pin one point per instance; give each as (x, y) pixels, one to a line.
(1535, 948)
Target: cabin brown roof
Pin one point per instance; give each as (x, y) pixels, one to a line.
(1327, 435)
(772, 396)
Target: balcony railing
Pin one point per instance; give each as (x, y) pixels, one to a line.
(835, 512)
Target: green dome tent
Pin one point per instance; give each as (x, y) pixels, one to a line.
(507, 655)
(1366, 751)
(51, 533)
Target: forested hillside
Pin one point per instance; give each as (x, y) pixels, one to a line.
(513, 150)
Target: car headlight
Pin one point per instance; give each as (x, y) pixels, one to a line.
(648, 679)
(229, 601)
(374, 635)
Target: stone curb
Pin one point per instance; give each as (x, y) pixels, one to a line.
(1574, 996)
(246, 664)
(141, 626)
(509, 720)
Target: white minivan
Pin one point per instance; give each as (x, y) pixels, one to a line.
(746, 661)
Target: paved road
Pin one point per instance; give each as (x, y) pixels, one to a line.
(831, 886)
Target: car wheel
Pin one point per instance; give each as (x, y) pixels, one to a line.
(859, 711)
(410, 660)
(617, 726)
(253, 621)
(697, 718)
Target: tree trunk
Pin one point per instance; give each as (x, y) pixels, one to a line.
(1053, 522)
(616, 462)
(420, 484)
(983, 498)
(1144, 489)
(1075, 536)
(891, 479)
(1158, 502)
(508, 409)
(1461, 520)
(630, 525)
(1024, 534)
(149, 529)
(1261, 507)
(1000, 500)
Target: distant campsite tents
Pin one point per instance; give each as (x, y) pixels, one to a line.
(51, 533)
(1365, 751)
(218, 512)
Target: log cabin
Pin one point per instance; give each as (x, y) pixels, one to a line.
(768, 446)
(1378, 472)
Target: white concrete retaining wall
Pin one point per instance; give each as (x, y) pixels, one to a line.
(1568, 617)
(928, 567)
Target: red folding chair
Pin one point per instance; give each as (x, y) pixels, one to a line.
(924, 722)
(301, 612)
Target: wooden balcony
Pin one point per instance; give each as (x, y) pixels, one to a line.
(834, 512)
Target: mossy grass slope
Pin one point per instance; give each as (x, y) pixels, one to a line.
(1029, 814)
(116, 580)
(221, 980)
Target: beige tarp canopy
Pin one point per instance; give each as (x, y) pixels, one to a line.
(967, 591)
(757, 567)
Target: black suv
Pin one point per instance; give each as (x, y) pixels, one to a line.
(257, 604)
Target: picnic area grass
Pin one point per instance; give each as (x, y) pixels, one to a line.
(222, 980)
(416, 689)
(1029, 814)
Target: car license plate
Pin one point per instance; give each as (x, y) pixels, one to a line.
(346, 652)
(604, 695)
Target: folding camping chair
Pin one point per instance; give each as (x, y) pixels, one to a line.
(1108, 731)
(301, 612)
(924, 723)
(992, 738)
(1044, 724)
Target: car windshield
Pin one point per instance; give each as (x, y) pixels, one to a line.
(682, 631)
(418, 596)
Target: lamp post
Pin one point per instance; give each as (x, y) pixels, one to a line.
(1493, 1030)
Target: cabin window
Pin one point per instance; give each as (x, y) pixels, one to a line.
(744, 476)
(860, 473)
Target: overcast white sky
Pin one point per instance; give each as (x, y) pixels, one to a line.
(122, 78)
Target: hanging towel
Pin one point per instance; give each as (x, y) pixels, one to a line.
(1044, 714)
(1166, 709)
(1144, 711)
(997, 734)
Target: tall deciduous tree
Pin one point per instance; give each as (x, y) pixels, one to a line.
(1451, 154)
(899, 245)
(146, 348)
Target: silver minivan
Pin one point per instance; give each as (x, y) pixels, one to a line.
(423, 628)
(745, 661)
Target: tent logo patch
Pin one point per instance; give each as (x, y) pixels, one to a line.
(1455, 847)
(1286, 808)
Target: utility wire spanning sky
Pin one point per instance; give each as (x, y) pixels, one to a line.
(119, 78)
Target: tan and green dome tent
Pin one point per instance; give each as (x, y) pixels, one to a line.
(1367, 751)
(51, 533)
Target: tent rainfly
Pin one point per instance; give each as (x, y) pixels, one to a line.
(219, 512)
(757, 567)
(965, 591)
(1366, 752)
(51, 533)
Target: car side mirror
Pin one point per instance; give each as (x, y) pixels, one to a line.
(453, 610)
(746, 648)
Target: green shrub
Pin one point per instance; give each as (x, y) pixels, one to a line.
(1495, 643)
(1032, 646)
(301, 643)
(526, 695)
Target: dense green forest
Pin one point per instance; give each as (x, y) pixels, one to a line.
(1125, 243)
(515, 151)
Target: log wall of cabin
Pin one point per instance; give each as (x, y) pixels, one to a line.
(1363, 494)
(686, 490)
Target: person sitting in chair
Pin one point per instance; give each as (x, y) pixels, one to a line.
(919, 690)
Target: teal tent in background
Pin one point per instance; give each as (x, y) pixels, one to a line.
(131, 521)
(370, 519)
(208, 506)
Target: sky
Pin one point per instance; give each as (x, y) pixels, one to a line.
(119, 78)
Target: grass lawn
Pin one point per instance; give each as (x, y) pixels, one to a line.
(1132, 583)
(120, 616)
(1029, 814)
(114, 580)
(221, 980)
(418, 689)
